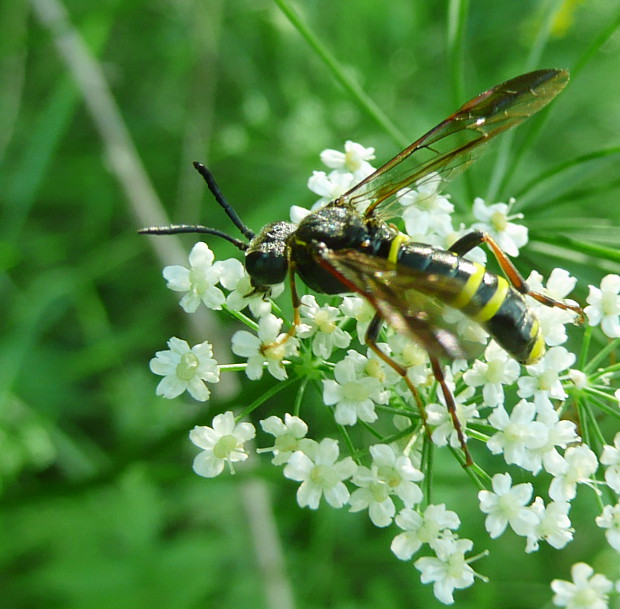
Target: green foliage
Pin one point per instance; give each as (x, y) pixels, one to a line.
(100, 506)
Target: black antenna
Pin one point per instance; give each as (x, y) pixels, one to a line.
(174, 229)
(219, 197)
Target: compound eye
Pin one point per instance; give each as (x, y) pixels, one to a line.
(266, 268)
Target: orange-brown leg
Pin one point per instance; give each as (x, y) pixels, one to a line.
(475, 238)
(451, 406)
(371, 340)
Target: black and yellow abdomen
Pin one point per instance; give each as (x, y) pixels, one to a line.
(484, 297)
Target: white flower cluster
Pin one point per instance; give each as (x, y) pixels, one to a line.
(515, 412)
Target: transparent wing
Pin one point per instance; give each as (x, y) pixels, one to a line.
(396, 294)
(456, 142)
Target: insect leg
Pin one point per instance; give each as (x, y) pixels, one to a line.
(467, 243)
(372, 333)
(294, 297)
(296, 317)
(451, 406)
(371, 340)
(475, 238)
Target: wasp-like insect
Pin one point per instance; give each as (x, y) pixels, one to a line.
(348, 246)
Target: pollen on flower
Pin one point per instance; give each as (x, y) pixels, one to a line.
(352, 392)
(187, 367)
(290, 436)
(495, 220)
(322, 324)
(499, 221)
(275, 351)
(225, 446)
(375, 369)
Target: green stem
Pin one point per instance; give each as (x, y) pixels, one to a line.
(244, 319)
(594, 363)
(340, 74)
(300, 394)
(281, 386)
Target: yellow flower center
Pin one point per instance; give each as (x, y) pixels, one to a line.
(324, 322)
(352, 390)
(499, 221)
(224, 446)
(186, 368)
(388, 474)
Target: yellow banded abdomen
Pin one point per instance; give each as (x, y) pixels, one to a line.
(485, 297)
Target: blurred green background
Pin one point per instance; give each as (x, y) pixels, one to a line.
(103, 106)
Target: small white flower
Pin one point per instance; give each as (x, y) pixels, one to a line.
(199, 280)
(222, 443)
(397, 470)
(449, 570)
(389, 474)
(353, 392)
(554, 525)
(330, 187)
(298, 213)
(373, 494)
(360, 310)
(185, 369)
(611, 458)
(231, 272)
(494, 219)
(604, 306)
(420, 528)
(559, 285)
(321, 323)
(426, 211)
(268, 347)
(610, 520)
(543, 380)
(245, 295)
(518, 435)
(553, 320)
(578, 378)
(587, 590)
(412, 356)
(498, 370)
(440, 420)
(377, 368)
(560, 434)
(507, 505)
(354, 159)
(290, 436)
(320, 474)
(580, 464)
(528, 443)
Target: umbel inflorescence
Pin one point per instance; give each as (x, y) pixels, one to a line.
(522, 415)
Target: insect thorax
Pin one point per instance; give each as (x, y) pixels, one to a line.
(336, 227)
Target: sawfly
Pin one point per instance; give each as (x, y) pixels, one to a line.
(348, 245)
